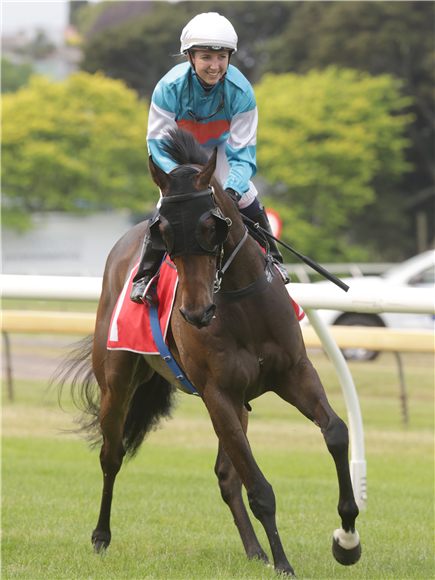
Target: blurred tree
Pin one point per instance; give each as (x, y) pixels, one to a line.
(139, 49)
(14, 75)
(74, 7)
(75, 145)
(378, 37)
(111, 13)
(86, 16)
(255, 23)
(323, 139)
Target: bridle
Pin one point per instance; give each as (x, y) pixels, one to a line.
(220, 271)
(184, 213)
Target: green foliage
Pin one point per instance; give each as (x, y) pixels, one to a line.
(373, 36)
(86, 15)
(76, 144)
(378, 37)
(75, 7)
(139, 51)
(255, 23)
(14, 76)
(322, 140)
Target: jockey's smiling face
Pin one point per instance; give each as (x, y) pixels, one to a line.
(209, 65)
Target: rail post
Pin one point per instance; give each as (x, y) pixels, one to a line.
(358, 464)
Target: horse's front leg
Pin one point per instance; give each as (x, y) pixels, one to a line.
(231, 491)
(226, 416)
(303, 389)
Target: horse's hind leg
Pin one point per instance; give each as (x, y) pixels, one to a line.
(231, 491)
(114, 382)
(304, 390)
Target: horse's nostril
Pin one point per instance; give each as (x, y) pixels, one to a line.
(199, 319)
(209, 315)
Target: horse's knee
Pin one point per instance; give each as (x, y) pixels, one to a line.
(262, 500)
(336, 436)
(229, 482)
(111, 461)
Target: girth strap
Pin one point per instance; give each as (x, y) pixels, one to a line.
(166, 353)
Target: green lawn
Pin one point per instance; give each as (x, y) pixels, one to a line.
(168, 518)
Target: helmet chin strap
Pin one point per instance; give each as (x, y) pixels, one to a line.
(191, 60)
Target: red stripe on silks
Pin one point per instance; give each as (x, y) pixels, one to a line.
(202, 133)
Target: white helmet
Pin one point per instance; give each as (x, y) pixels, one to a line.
(210, 31)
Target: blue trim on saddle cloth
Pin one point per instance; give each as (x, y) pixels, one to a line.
(165, 353)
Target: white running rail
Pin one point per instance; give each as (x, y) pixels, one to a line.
(310, 296)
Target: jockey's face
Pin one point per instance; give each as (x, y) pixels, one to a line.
(209, 65)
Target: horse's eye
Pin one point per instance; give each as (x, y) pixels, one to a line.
(210, 230)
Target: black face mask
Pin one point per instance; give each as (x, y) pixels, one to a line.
(183, 213)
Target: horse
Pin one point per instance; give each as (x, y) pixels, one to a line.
(233, 332)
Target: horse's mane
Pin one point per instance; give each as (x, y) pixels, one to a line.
(183, 148)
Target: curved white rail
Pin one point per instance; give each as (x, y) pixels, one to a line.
(309, 296)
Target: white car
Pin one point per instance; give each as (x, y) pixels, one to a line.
(417, 272)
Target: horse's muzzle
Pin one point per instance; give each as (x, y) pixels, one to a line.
(199, 319)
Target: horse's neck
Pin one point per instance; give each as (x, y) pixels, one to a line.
(249, 262)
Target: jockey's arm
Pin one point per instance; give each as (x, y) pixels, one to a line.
(161, 119)
(241, 147)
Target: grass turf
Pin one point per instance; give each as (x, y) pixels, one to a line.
(168, 519)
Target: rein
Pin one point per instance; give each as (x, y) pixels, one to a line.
(233, 296)
(221, 271)
(317, 267)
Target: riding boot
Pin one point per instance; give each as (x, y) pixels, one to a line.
(149, 263)
(263, 221)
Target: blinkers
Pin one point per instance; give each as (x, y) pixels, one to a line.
(181, 214)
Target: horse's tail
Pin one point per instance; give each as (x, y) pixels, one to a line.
(151, 402)
(76, 373)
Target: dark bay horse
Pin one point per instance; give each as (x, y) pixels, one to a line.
(231, 345)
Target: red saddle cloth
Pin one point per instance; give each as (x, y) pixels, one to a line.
(130, 327)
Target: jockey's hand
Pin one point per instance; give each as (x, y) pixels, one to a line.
(236, 197)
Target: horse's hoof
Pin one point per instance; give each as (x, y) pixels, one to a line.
(285, 571)
(260, 556)
(100, 541)
(346, 547)
(100, 547)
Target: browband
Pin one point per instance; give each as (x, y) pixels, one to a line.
(187, 196)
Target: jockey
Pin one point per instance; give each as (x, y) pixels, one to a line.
(212, 100)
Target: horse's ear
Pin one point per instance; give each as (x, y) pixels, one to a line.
(160, 178)
(202, 180)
